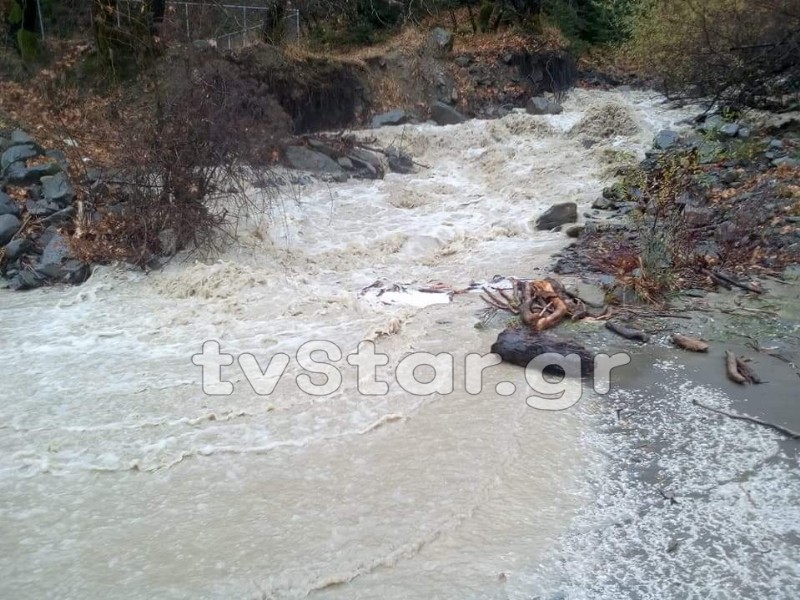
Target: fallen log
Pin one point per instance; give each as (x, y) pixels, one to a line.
(716, 274)
(733, 368)
(627, 332)
(519, 346)
(688, 343)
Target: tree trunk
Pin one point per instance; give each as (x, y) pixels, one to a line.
(28, 34)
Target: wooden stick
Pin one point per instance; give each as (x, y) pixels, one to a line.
(780, 428)
(732, 368)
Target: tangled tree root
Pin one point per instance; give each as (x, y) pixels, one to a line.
(540, 303)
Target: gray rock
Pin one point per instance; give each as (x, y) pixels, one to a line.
(72, 271)
(17, 248)
(697, 216)
(42, 208)
(557, 215)
(56, 251)
(711, 123)
(9, 225)
(539, 105)
(304, 159)
(729, 129)
(8, 206)
(604, 204)
(59, 157)
(445, 115)
(57, 189)
(393, 117)
(744, 132)
(59, 217)
(369, 163)
(463, 61)
(20, 137)
(321, 146)
(441, 40)
(345, 163)
(574, 231)
(776, 144)
(18, 174)
(786, 161)
(666, 138)
(16, 154)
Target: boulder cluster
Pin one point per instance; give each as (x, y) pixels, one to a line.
(37, 200)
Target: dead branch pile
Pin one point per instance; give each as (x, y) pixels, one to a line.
(540, 303)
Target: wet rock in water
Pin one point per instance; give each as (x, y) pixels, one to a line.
(17, 154)
(320, 146)
(304, 159)
(393, 117)
(72, 271)
(8, 206)
(539, 105)
(519, 346)
(729, 129)
(557, 215)
(57, 189)
(574, 231)
(368, 163)
(400, 162)
(9, 226)
(440, 41)
(666, 138)
(444, 114)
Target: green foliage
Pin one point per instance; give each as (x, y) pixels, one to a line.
(29, 47)
(485, 15)
(592, 22)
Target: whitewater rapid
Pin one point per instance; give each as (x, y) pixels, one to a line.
(120, 478)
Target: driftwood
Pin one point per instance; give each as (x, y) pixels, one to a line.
(733, 368)
(519, 346)
(747, 371)
(688, 343)
(780, 428)
(727, 281)
(627, 332)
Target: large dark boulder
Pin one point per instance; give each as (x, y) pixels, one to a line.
(557, 215)
(446, 115)
(519, 346)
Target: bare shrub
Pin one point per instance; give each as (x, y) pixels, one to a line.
(185, 168)
(740, 53)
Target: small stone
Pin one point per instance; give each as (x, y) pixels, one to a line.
(16, 154)
(345, 163)
(604, 204)
(786, 161)
(574, 231)
(16, 248)
(666, 138)
(57, 189)
(9, 226)
(744, 132)
(18, 174)
(8, 206)
(20, 137)
(302, 158)
(729, 129)
(59, 217)
(776, 144)
(538, 105)
(463, 61)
